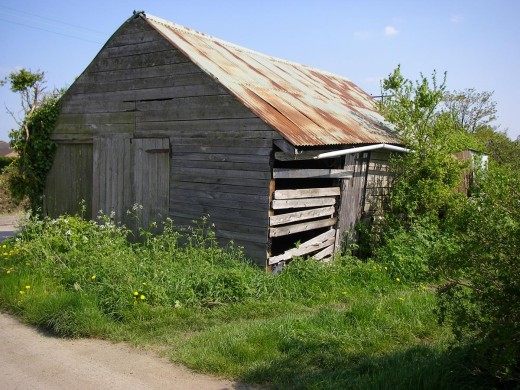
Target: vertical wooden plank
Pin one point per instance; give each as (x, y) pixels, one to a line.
(352, 195)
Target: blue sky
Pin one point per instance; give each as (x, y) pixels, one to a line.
(477, 42)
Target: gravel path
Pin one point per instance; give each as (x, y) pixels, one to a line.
(32, 360)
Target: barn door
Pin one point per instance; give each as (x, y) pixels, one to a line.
(151, 178)
(112, 190)
(69, 181)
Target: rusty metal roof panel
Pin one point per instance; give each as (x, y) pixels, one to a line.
(307, 106)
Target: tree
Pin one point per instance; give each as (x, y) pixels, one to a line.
(31, 87)
(27, 174)
(471, 108)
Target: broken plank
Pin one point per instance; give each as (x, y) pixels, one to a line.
(298, 216)
(302, 203)
(301, 227)
(307, 193)
(317, 243)
(328, 251)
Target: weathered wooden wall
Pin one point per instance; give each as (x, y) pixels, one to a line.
(378, 183)
(69, 181)
(139, 86)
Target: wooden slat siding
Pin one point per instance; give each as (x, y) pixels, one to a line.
(352, 195)
(69, 181)
(111, 84)
(301, 227)
(151, 173)
(220, 196)
(153, 91)
(219, 188)
(303, 203)
(321, 255)
(112, 170)
(378, 184)
(315, 244)
(200, 128)
(299, 216)
(219, 149)
(289, 173)
(192, 212)
(222, 157)
(307, 193)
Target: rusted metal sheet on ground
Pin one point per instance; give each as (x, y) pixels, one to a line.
(307, 106)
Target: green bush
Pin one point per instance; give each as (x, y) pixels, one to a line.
(5, 162)
(481, 299)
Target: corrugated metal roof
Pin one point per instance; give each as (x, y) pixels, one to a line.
(307, 106)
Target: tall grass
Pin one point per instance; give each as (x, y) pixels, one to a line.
(345, 325)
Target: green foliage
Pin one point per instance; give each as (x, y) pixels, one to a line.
(500, 148)
(482, 296)
(472, 109)
(28, 172)
(5, 162)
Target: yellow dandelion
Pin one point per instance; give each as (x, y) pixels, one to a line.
(144, 283)
(386, 268)
(27, 287)
(344, 292)
(142, 297)
(397, 280)
(21, 292)
(4, 246)
(136, 293)
(93, 277)
(401, 299)
(8, 271)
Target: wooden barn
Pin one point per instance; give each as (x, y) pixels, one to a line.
(283, 158)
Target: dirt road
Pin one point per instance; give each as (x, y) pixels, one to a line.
(32, 360)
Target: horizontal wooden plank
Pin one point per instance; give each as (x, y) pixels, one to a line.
(257, 218)
(288, 173)
(299, 216)
(219, 196)
(90, 129)
(102, 82)
(200, 128)
(301, 227)
(224, 166)
(302, 203)
(260, 184)
(132, 38)
(314, 244)
(225, 188)
(218, 149)
(97, 119)
(307, 193)
(154, 46)
(221, 173)
(223, 141)
(326, 252)
(221, 157)
(137, 61)
(150, 76)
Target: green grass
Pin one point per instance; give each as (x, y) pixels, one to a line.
(314, 326)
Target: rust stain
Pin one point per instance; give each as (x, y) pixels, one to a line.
(307, 106)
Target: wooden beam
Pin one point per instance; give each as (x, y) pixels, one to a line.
(287, 173)
(302, 203)
(301, 227)
(299, 216)
(307, 193)
(317, 243)
(286, 147)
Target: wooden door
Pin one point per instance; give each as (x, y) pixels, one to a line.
(152, 178)
(69, 182)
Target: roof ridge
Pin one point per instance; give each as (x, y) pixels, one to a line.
(188, 30)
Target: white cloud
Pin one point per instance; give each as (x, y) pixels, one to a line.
(391, 30)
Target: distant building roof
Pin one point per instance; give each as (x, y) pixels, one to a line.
(307, 106)
(5, 150)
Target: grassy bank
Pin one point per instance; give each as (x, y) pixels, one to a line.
(346, 325)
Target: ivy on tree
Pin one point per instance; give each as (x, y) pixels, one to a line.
(40, 109)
